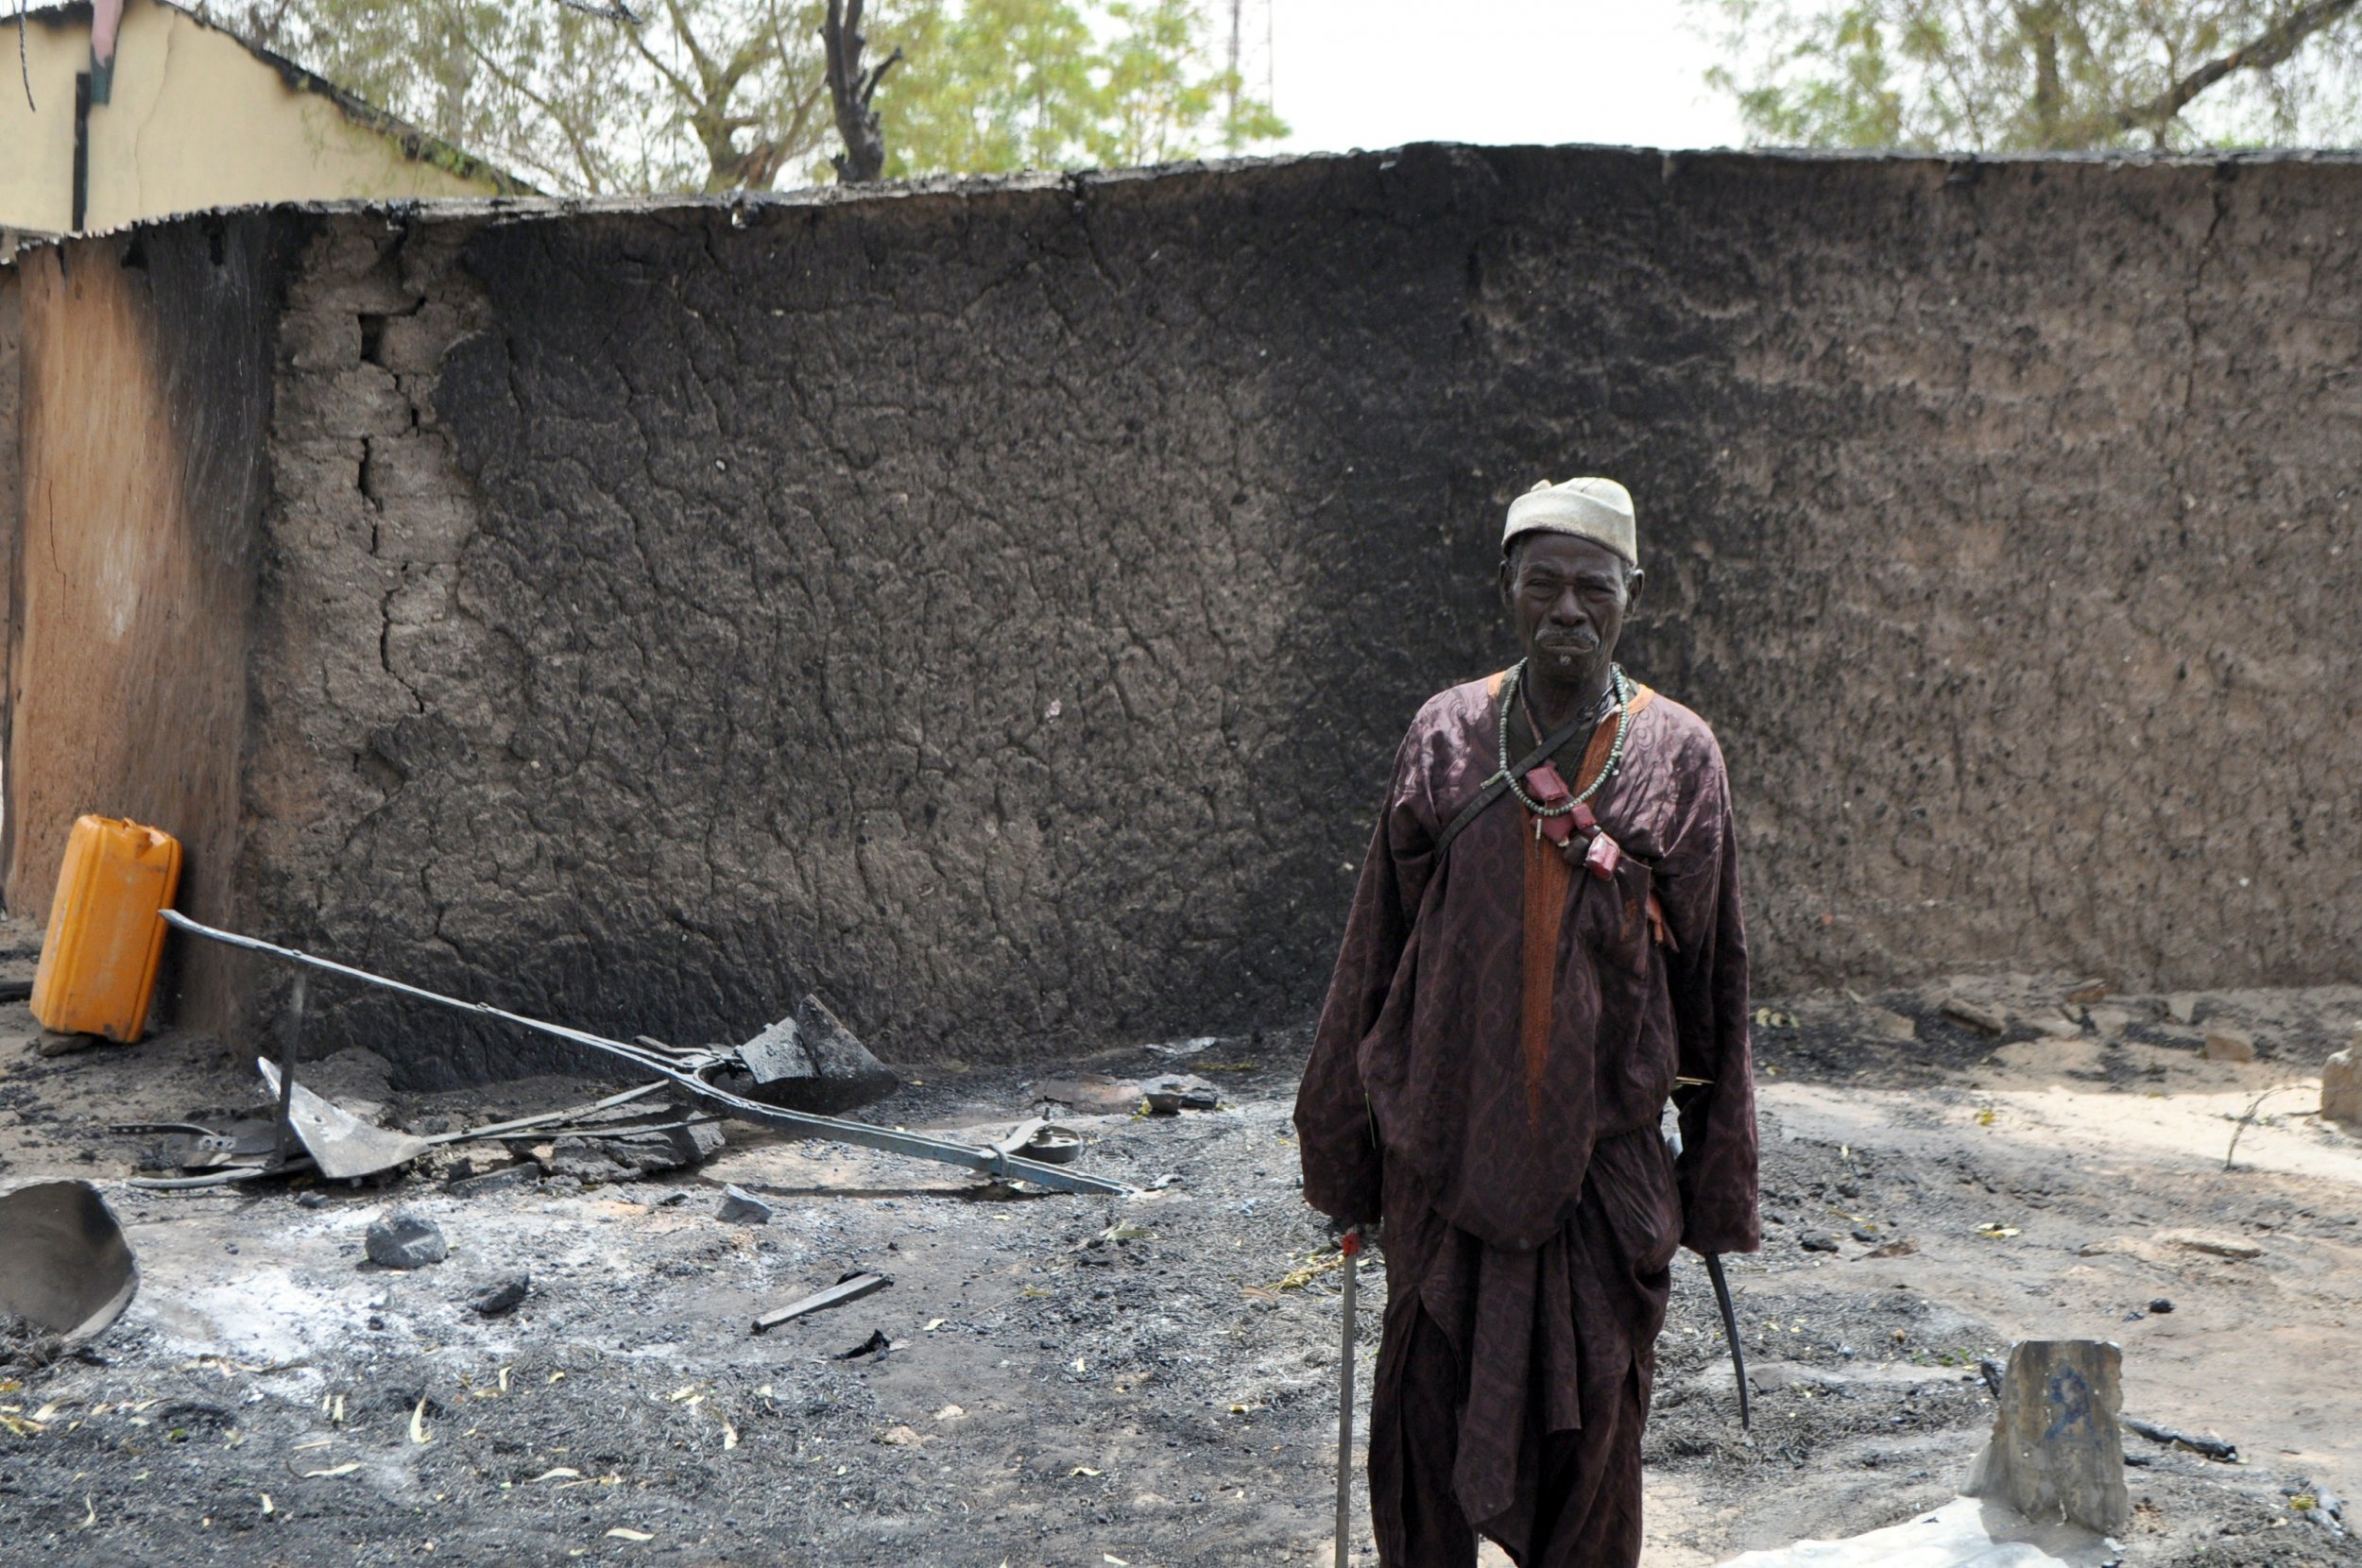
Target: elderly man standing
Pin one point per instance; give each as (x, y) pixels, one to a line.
(1535, 961)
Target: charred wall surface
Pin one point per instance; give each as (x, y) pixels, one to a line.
(145, 380)
(995, 607)
(904, 599)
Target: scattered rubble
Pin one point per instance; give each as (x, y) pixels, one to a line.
(1977, 1016)
(1132, 1383)
(2230, 1045)
(1174, 1093)
(812, 1062)
(621, 1143)
(405, 1240)
(741, 1207)
(503, 1295)
(834, 1063)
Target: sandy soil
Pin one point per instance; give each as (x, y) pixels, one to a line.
(1086, 1381)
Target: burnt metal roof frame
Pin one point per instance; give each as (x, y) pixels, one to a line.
(681, 1070)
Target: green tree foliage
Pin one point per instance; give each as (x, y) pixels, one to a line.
(996, 85)
(583, 96)
(1017, 84)
(2003, 75)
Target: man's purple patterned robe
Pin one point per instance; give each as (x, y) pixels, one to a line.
(1498, 1044)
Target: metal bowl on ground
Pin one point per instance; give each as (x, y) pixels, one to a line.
(1052, 1145)
(64, 1264)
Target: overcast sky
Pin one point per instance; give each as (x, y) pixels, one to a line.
(1377, 72)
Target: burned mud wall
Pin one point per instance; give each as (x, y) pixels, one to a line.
(855, 606)
(11, 512)
(145, 380)
(995, 607)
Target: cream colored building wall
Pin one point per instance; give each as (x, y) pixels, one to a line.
(195, 120)
(37, 142)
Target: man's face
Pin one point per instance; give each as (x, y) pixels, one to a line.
(1568, 597)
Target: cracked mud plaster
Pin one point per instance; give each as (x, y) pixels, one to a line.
(995, 607)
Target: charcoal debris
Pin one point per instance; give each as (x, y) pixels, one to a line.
(503, 1295)
(405, 1240)
(1174, 1093)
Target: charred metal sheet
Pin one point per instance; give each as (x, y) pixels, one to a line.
(812, 1062)
(341, 1144)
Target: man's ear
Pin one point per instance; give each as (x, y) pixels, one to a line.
(1509, 581)
(1633, 584)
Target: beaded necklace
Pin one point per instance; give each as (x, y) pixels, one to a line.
(1598, 709)
(1620, 690)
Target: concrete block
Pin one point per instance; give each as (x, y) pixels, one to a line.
(2056, 1452)
(2341, 1085)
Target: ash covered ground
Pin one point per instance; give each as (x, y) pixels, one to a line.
(1085, 1381)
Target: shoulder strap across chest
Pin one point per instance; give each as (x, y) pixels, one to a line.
(1497, 785)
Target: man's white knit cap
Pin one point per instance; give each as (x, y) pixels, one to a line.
(1595, 509)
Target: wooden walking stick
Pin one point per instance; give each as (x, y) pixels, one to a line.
(1352, 1247)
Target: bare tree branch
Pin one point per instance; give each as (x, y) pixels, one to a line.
(870, 89)
(697, 55)
(805, 101)
(615, 10)
(583, 158)
(2270, 47)
(23, 63)
(706, 107)
(851, 88)
(672, 78)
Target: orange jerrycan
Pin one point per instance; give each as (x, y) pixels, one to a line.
(98, 962)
